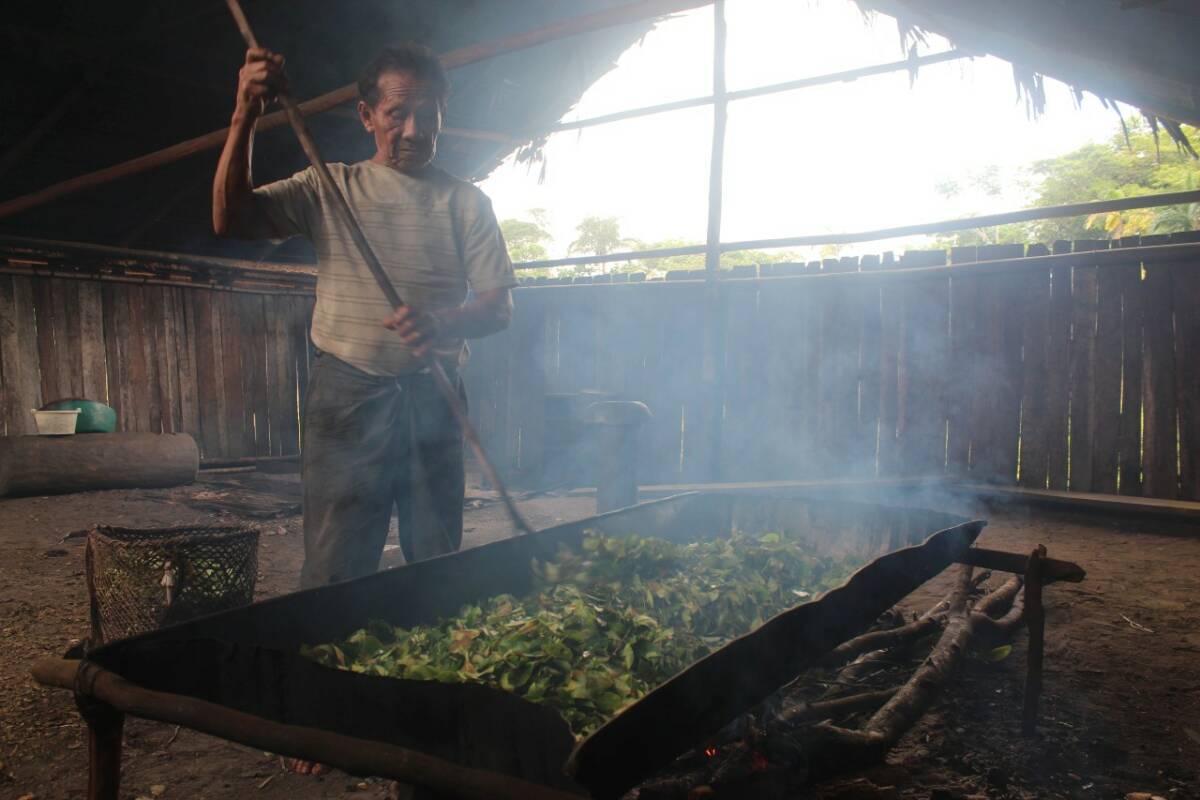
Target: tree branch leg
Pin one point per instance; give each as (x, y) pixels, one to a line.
(1035, 618)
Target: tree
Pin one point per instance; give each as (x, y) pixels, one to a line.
(526, 238)
(1117, 168)
(599, 236)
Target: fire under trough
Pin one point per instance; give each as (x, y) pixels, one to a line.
(240, 674)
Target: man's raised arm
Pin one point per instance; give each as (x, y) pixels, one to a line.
(235, 211)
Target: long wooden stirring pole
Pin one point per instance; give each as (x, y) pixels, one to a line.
(364, 248)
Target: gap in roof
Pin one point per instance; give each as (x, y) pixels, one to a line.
(842, 157)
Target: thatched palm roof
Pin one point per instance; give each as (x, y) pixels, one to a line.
(106, 82)
(1140, 52)
(85, 85)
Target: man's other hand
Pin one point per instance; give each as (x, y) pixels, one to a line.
(260, 79)
(417, 329)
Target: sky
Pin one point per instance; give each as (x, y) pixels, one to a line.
(834, 158)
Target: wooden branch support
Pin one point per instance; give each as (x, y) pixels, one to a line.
(1035, 618)
(911, 700)
(874, 648)
(838, 707)
(105, 731)
(1052, 569)
(963, 624)
(111, 696)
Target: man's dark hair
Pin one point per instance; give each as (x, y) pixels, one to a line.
(405, 57)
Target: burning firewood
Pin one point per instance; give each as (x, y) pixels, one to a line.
(791, 740)
(964, 624)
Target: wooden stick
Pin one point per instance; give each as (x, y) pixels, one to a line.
(758, 91)
(356, 756)
(838, 707)
(1052, 569)
(942, 226)
(1035, 618)
(712, 372)
(621, 15)
(448, 391)
(875, 647)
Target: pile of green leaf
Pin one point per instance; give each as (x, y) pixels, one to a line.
(604, 626)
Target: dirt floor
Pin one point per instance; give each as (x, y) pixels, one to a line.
(1121, 712)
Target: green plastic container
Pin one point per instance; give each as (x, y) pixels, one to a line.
(94, 416)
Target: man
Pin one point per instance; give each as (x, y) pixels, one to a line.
(376, 432)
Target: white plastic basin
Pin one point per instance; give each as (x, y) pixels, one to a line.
(56, 423)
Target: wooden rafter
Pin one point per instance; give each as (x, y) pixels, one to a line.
(621, 15)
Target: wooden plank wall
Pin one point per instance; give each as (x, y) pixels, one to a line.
(1055, 377)
(1061, 377)
(227, 367)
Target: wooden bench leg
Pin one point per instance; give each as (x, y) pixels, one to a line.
(106, 728)
(1035, 620)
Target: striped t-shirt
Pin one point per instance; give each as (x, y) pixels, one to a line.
(435, 235)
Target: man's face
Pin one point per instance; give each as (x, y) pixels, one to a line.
(405, 121)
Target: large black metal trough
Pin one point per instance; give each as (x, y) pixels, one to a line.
(248, 660)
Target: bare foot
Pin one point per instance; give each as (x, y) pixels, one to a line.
(302, 767)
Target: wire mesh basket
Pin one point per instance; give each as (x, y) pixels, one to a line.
(142, 579)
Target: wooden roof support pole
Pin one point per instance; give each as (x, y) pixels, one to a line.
(844, 76)
(588, 23)
(713, 370)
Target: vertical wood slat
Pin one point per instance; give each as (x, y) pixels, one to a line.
(136, 355)
(805, 411)
(964, 321)
(284, 388)
(1129, 434)
(169, 361)
(207, 383)
(694, 391)
(837, 382)
(1008, 429)
(1058, 360)
(1084, 304)
(742, 384)
(238, 441)
(1035, 350)
(301, 323)
(10, 360)
(21, 390)
(889, 331)
(156, 388)
(48, 355)
(114, 366)
(923, 361)
(1106, 383)
(1159, 457)
(661, 434)
(665, 440)
(529, 385)
(185, 352)
(503, 435)
(1186, 300)
(780, 309)
(254, 361)
(91, 342)
(996, 405)
(66, 313)
(868, 299)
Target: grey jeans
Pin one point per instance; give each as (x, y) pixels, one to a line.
(371, 444)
